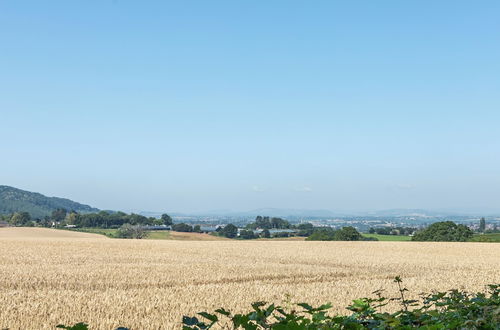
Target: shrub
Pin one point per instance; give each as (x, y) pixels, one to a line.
(444, 310)
(131, 231)
(281, 234)
(182, 227)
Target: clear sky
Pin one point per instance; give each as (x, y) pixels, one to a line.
(202, 105)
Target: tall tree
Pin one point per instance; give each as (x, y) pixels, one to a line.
(167, 220)
(71, 218)
(347, 234)
(230, 231)
(20, 218)
(59, 215)
(482, 225)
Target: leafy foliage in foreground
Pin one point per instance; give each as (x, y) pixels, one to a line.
(444, 310)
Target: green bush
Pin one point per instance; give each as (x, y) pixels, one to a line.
(444, 310)
(182, 227)
(445, 231)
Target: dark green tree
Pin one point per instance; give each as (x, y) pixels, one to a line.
(229, 231)
(59, 215)
(305, 229)
(266, 234)
(347, 234)
(20, 219)
(445, 231)
(182, 227)
(482, 225)
(167, 220)
(269, 223)
(137, 219)
(329, 234)
(322, 234)
(247, 234)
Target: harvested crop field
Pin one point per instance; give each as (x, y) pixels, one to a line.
(51, 277)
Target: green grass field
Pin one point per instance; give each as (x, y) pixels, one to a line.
(154, 234)
(168, 235)
(101, 231)
(391, 238)
(486, 238)
(111, 232)
(159, 234)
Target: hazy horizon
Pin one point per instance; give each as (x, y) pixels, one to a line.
(274, 211)
(191, 107)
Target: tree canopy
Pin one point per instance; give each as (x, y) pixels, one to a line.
(269, 223)
(229, 231)
(166, 219)
(445, 231)
(329, 234)
(182, 227)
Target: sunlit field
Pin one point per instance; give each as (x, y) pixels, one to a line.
(51, 277)
(393, 238)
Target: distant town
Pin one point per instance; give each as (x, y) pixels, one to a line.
(361, 223)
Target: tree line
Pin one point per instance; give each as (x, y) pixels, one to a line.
(102, 219)
(262, 227)
(392, 230)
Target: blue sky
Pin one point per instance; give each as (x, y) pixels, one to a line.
(201, 105)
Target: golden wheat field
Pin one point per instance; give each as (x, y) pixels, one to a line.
(50, 277)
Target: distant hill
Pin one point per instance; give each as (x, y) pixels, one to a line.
(319, 213)
(273, 212)
(418, 213)
(17, 200)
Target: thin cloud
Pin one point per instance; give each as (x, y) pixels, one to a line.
(258, 189)
(304, 189)
(405, 186)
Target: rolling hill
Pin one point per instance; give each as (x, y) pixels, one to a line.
(17, 200)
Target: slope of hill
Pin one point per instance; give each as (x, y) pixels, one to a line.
(17, 200)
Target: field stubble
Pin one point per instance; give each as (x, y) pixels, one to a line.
(51, 277)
